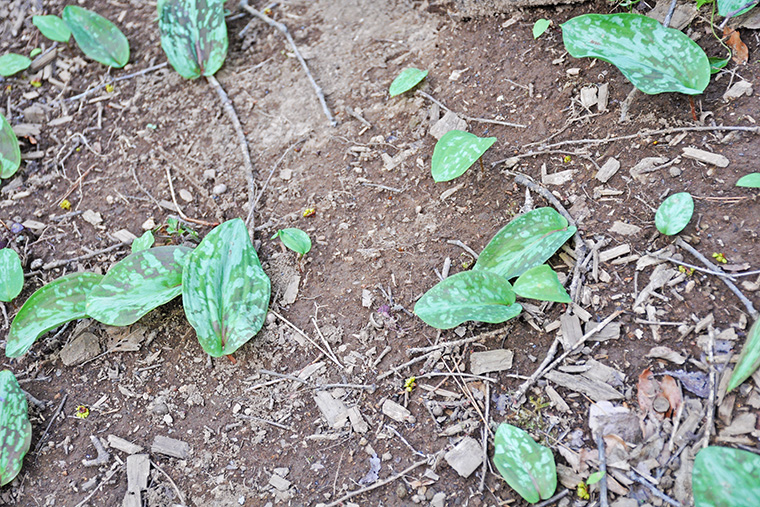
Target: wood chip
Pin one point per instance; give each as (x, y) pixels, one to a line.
(490, 360)
(594, 389)
(358, 423)
(170, 447)
(741, 425)
(138, 470)
(625, 229)
(608, 170)
(280, 483)
(92, 217)
(558, 178)
(610, 332)
(465, 457)
(614, 252)
(123, 445)
(397, 412)
(557, 401)
(449, 122)
(334, 411)
(570, 326)
(667, 354)
(706, 157)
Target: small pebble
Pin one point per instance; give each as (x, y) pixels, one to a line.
(401, 491)
(148, 224)
(675, 171)
(209, 174)
(286, 174)
(219, 189)
(36, 264)
(185, 195)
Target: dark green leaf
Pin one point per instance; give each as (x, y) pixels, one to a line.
(224, 290)
(295, 239)
(527, 467)
(11, 63)
(10, 153)
(481, 296)
(751, 180)
(540, 26)
(726, 7)
(542, 283)
(749, 359)
(52, 27)
(717, 63)
(654, 58)
(674, 213)
(406, 80)
(143, 242)
(97, 37)
(193, 35)
(137, 284)
(15, 428)
(455, 152)
(56, 303)
(525, 242)
(11, 275)
(725, 477)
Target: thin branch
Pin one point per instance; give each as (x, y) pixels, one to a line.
(692, 266)
(58, 264)
(469, 118)
(116, 80)
(179, 210)
(52, 419)
(376, 485)
(176, 489)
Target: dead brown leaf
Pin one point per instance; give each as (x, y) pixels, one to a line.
(738, 48)
(648, 389)
(672, 392)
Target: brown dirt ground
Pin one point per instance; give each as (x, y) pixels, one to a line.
(366, 237)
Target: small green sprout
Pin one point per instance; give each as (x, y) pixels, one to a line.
(406, 80)
(540, 26)
(294, 239)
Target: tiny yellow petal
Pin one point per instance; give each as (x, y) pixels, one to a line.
(65, 204)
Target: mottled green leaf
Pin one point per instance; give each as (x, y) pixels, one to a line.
(749, 359)
(10, 153)
(751, 180)
(224, 290)
(726, 477)
(540, 26)
(525, 242)
(12, 63)
(674, 213)
(726, 7)
(56, 303)
(527, 467)
(11, 274)
(143, 242)
(455, 152)
(542, 283)
(654, 58)
(15, 428)
(52, 27)
(295, 239)
(97, 37)
(137, 284)
(481, 296)
(406, 80)
(193, 35)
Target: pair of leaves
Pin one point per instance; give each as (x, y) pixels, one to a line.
(15, 428)
(654, 58)
(725, 477)
(674, 213)
(295, 239)
(11, 275)
(406, 80)
(527, 467)
(10, 153)
(455, 152)
(193, 35)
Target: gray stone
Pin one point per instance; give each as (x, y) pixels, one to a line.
(608, 170)
(219, 189)
(450, 121)
(170, 447)
(465, 457)
(490, 360)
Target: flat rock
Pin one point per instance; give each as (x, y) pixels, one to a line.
(610, 332)
(82, 348)
(465, 457)
(490, 360)
(358, 423)
(123, 445)
(397, 412)
(706, 157)
(449, 122)
(608, 170)
(334, 411)
(170, 447)
(92, 217)
(279, 482)
(738, 89)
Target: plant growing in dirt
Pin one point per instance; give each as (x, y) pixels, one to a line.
(15, 428)
(52, 27)
(11, 275)
(143, 242)
(725, 477)
(674, 213)
(527, 466)
(294, 239)
(10, 153)
(225, 292)
(751, 180)
(406, 80)
(484, 293)
(13, 63)
(455, 152)
(540, 26)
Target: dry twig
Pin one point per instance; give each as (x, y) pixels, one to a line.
(116, 80)
(469, 118)
(376, 485)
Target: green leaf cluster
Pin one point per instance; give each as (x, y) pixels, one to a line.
(484, 294)
(225, 292)
(15, 428)
(528, 467)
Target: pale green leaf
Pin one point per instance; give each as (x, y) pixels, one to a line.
(751, 180)
(455, 152)
(595, 477)
(12, 63)
(295, 239)
(52, 27)
(15, 428)
(726, 7)
(97, 37)
(654, 58)
(193, 35)
(527, 467)
(540, 26)
(10, 153)
(143, 242)
(406, 80)
(674, 213)
(525, 242)
(56, 303)
(224, 290)
(137, 284)
(749, 359)
(11, 275)
(542, 283)
(726, 477)
(481, 296)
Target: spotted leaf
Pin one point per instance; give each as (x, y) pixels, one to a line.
(137, 284)
(56, 303)
(193, 35)
(527, 467)
(224, 290)
(455, 152)
(10, 153)
(11, 275)
(52, 27)
(97, 37)
(726, 477)
(674, 213)
(749, 359)
(726, 7)
(406, 80)
(481, 296)
(541, 282)
(15, 429)
(654, 58)
(525, 242)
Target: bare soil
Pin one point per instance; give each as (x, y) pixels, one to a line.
(381, 228)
